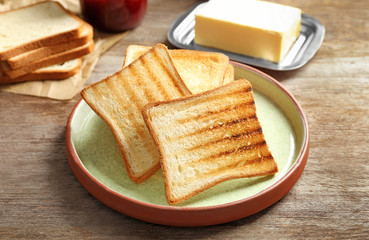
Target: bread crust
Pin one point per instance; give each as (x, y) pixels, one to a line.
(45, 74)
(44, 41)
(31, 56)
(54, 59)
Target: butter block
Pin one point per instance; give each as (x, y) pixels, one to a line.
(250, 27)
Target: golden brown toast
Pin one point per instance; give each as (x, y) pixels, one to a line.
(229, 75)
(119, 99)
(208, 138)
(201, 71)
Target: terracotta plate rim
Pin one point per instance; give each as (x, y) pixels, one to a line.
(192, 216)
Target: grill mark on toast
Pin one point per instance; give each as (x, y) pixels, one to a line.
(135, 128)
(244, 92)
(147, 88)
(113, 121)
(154, 77)
(242, 163)
(171, 75)
(229, 123)
(222, 125)
(211, 116)
(129, 90)
(213, 158)
(234, 122)
(111, 85)
(241, 149)
(237, 136)
(225, 110)
(236, 165)
(144, 84)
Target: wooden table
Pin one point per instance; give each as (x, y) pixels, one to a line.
(40, 197)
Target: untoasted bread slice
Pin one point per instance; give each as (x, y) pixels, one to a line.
(208, 138)
(43, 52)
(51, 60)
(201, 71)
(36, 25)
(119, 100)
(53, 72)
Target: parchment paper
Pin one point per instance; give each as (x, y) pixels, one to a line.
(61, 89)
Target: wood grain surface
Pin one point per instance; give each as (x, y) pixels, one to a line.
(40, 198)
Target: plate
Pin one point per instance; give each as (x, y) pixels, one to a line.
(181, 34)
(95, 160)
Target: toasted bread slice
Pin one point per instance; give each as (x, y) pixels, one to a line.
(133, 52)
(208, 138)
(119, 100)
(201, 71)
(229, 75)
(31, 56)
(51, 60)
(36, 25)
(53, 72)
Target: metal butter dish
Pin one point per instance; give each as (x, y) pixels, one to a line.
(181, 34)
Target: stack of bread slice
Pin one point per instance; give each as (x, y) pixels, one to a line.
(42, 41)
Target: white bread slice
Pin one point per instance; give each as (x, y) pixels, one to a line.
(47, 51)
(54, 59)
(208, 138)
(119, 100)
(200, 70)
(36, 25)
(53, 72)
